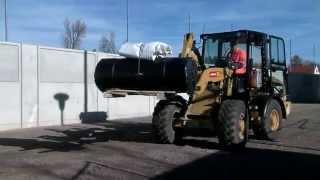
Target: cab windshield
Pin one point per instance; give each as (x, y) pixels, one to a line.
(217, 49)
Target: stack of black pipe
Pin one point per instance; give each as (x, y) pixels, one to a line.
(168, 74)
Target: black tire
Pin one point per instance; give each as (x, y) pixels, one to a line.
(165, 113)
(231, 114)
(191, 76)
(265, 128)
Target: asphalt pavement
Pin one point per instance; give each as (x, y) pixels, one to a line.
(125, 150)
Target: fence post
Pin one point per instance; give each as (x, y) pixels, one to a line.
(85, 81)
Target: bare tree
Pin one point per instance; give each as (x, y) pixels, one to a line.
(74, 33)
(107, 44)
(296, 59)
(301, 65)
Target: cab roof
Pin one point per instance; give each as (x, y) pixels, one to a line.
(239, 31)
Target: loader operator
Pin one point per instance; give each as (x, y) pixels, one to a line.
(239, 56)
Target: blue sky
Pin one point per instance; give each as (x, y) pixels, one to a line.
(41, 21)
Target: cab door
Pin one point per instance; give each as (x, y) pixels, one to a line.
(278, 66)
(255, 56)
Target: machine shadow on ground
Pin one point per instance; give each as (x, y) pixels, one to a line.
(71, 138)
(251, 163)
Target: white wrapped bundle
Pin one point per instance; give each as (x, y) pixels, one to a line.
(146, 51)
(130, 50)
(153, 49)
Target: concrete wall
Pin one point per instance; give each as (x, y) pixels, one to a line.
(10, 86)
(34, 78)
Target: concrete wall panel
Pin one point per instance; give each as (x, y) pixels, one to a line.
(49, 108)
(9, 64)
(92, 98)
(58, 65)
(10, 105)
(92, 90)
(29, 86)
(92, 61)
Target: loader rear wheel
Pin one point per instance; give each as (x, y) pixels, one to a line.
(271, 121)
(164, 116)
(232, 124)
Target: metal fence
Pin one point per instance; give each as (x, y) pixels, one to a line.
(304, 88)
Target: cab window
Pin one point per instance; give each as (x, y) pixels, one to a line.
(211, 52)
(255, 54)
(281, 52)
(277, 51)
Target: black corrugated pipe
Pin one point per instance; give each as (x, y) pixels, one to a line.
(168, 74)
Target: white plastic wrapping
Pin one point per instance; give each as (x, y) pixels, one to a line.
(130, 50)
(153, 49)
(146, 51)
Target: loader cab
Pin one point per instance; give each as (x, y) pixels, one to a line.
(217, 48)
(264, 57)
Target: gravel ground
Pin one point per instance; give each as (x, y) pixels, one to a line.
(125, 150)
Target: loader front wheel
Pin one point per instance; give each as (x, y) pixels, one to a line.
(232, 124)
(271, 122)
(164, 116)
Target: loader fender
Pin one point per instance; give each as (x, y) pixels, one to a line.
(263, 103)
(283, 109)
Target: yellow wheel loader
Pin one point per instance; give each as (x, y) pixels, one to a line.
(237, 83)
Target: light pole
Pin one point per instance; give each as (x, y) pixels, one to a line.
(203, 28)
(290, 49)
(5, 21)
(189, 22)
(127, 16)
(314, 53)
